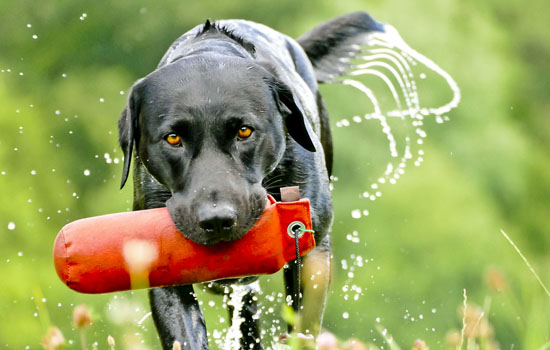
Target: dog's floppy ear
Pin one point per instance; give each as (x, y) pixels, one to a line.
(294, 116)
(128, 132)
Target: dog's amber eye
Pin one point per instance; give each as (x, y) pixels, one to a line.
(173, 139)
(244, 132)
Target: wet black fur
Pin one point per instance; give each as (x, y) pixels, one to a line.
(215, 28)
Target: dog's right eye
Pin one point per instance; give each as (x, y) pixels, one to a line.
(173, 139)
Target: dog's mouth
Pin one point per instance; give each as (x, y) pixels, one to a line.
(208, 241)
(218, 227)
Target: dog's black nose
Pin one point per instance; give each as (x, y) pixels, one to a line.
(217, 220)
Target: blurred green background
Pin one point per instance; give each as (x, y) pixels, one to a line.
(65, 70)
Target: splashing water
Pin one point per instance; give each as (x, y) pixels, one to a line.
(387, 57)
(234, 334)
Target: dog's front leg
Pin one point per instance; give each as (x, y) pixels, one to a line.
(315, 280)
(178, 316)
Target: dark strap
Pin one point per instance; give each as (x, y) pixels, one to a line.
(292, 194)
(297, 301)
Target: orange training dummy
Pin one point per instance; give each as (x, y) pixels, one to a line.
(92, 255)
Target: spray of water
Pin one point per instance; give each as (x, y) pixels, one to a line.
(400, 109)
(387, 57)
(234, 334)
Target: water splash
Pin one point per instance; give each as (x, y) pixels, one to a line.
(387, 57)
(233, 337)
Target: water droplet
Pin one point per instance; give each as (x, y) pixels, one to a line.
(35, 36)
(86, 172)
(11, 226)
(345, 315)
(356, 213)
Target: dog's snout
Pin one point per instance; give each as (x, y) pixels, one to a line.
(217, 220)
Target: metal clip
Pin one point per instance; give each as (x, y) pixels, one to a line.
(296, 228)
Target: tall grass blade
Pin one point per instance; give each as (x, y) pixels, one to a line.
(463, 319)
(526, 262)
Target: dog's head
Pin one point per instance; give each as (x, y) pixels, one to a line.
(210, 130)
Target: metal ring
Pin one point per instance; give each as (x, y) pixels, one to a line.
(296, 226)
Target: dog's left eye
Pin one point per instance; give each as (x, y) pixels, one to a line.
(173, 139)
(244, 132)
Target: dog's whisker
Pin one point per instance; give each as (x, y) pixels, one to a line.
(276, 179)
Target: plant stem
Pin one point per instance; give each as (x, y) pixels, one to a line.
(526, 262)
(83, 338)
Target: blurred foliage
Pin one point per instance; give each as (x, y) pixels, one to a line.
(65, 69)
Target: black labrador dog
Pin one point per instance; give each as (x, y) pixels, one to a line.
(232, 113)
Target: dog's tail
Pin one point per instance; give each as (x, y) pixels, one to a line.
(332, 45)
